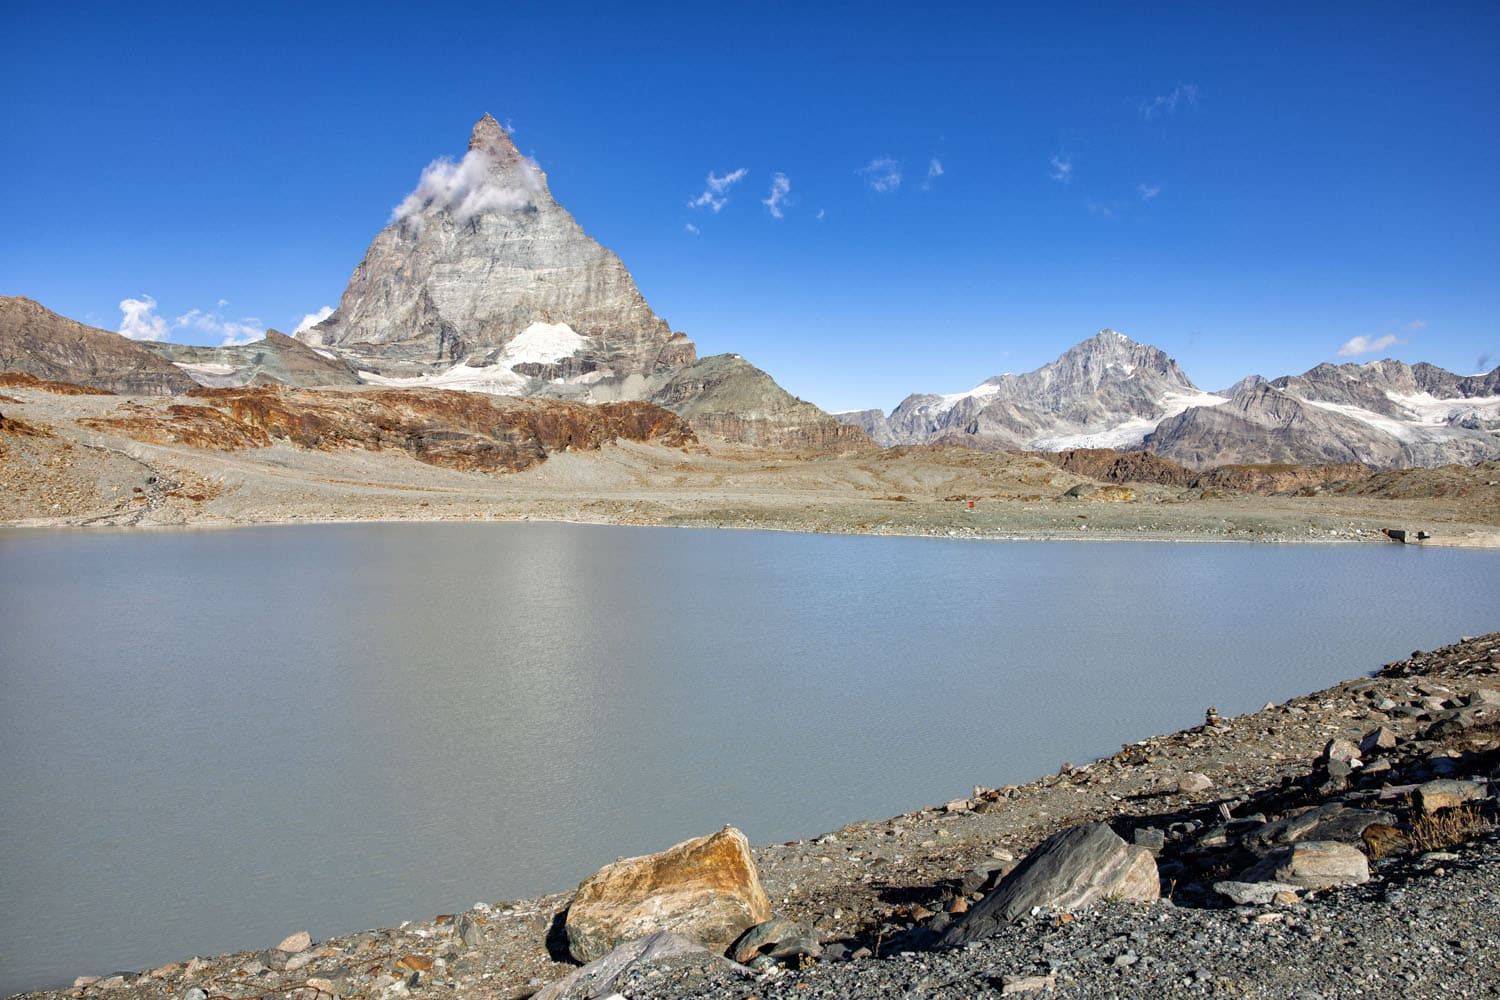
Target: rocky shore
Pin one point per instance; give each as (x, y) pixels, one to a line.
(1338, 844)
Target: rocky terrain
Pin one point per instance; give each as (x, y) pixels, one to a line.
(1111, 392)
(39, 342)
(274, 360)
(1340, 844)
(269, 455)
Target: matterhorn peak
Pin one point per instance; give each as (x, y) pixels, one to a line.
(490, 137)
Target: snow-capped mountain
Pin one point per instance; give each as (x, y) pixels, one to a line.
(1112, 392)
(1107, 392)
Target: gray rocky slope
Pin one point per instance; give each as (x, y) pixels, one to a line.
(479, 253)
(1112, 392)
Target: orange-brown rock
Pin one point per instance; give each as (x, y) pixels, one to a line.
(456, 430)
(26, 380)
(704, 889)
(1269, 479)
(1110, 466)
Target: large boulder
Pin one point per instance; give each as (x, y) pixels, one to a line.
(1069, 871)
(1312, 864)
(705, 890)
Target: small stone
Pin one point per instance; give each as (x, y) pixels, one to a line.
(1379, 738)
(293, 943)
(763, 937)
(1341, 749)
(300, 960)
(199, 993)
(1252, 893)
(1191, 782)
(323, 985)
(1444, 794)
(1152, 838)
(1013, 985)
(414, 963)
(957, 806)
(1484, 698)
(83, 981)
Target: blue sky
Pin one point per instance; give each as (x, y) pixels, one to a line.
(1249, 188)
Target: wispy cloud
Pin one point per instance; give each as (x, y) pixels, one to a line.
(1148, 191)
(821, 214)
(1062, 168)
(692, 229)
(311, 319)
(934, 171)
(233, 332)
(469, 188)
(1100, 209)
(1356, 346)
(883, 174)
(1416, 325)
(1183, 95)
(716, 190)
(139, 320)
(776, 199)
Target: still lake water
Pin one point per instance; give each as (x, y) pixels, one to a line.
(209, 740)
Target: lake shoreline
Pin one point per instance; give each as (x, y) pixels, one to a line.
(825, 882)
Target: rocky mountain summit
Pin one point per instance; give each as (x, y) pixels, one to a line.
(1108, 391)
(481, 265)
(1111, 392)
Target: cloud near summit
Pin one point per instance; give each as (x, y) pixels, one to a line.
(468, 188)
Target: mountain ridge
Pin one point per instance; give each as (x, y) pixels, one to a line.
(1111, 391)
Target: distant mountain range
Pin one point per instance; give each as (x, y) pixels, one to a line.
(1111, 392)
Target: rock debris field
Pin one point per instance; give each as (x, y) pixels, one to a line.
(1341, 844)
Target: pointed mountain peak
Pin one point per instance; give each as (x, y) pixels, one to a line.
(489, 136)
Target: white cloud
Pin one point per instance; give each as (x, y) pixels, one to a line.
(1062, 168)
(1416, 324)
(223, 303)
(934, 171)
(233, 332)
(692, 229)
(883, 174)
(313, 319)
(777, 198)
(1099, 208)
(468, 188)
(821, 213)
(140, 321)
(1182, 95)
(1355, 346)
(715, 190)
(1148, 191)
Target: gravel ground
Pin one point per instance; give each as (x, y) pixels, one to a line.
(1423, 928)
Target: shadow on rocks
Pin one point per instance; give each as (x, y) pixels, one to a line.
(557, 939)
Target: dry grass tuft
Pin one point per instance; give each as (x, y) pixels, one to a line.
(1447, 828)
